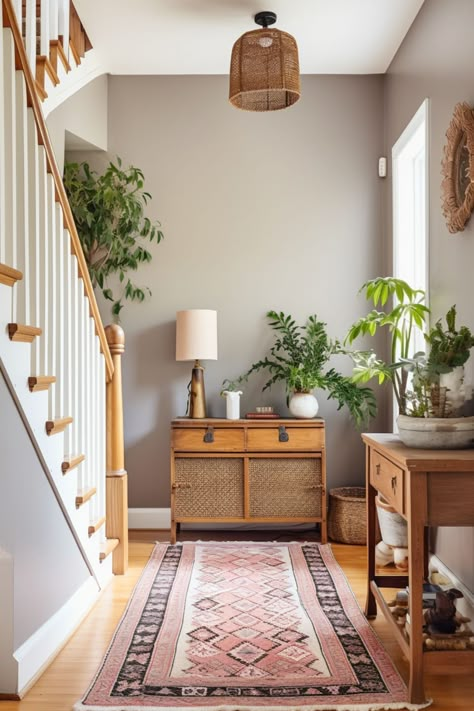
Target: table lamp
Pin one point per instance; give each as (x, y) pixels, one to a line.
(196, 339)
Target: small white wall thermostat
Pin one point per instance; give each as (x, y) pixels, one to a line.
(382, 167)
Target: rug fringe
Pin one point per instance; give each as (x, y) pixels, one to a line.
(401, 706)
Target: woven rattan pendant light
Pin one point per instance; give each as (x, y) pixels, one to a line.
(264, 69)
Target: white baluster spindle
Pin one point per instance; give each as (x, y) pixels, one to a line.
(21, 246)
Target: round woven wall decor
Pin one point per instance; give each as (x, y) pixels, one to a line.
(264, 71)
(457, 187)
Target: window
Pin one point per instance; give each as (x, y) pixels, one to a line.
(410, 192)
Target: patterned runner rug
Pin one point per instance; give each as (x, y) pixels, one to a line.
(245, 626)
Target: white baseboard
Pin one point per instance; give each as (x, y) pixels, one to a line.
(149, 518)
(464, 605)
(37, 652)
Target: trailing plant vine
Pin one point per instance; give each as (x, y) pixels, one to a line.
(109, 212)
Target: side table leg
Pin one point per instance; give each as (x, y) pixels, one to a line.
(370, 604)
(416, 552)
(173, 532)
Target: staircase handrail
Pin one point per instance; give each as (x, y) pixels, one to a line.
(10, 20)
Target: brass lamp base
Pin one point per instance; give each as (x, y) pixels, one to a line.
(197, 395)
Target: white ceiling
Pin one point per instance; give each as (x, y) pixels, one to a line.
(196, 36)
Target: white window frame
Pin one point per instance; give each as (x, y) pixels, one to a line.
(410, 211)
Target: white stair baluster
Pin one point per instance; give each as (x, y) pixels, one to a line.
(86, 394)
(81, 384)
(59, 308)
(2, 151)
(42, 246)
(21, 246)
(64, 24)
(53, 19)
(10, 129)
(33, 233)
(67, 337)
(75, 373)
(45, 28)
(52, 298)
(18, 7)
(30, 40)
(102, 441)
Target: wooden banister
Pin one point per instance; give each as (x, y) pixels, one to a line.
(21, 61)
(117, 479)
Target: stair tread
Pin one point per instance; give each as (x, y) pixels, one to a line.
(85, 495)
(72, 462)
(37, 383)
(94, 527)
(107, 547)
(58, 425)
(22, 333)
(8, 275)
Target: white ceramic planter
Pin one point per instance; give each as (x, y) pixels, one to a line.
(232, 404)
(456, 394)
(303, 405)
(436, 432)
(393, 527)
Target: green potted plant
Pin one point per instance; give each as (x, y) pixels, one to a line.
(417, 378)
(299, 358)
(109, 212)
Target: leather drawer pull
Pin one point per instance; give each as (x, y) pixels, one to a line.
(394, 484)
(283, 435)
(209, 436)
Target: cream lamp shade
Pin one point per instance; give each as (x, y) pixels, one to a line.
(196, 334)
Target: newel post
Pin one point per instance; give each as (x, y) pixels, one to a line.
(117, 480)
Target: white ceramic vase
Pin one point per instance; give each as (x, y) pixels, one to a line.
(232, 404)
(303, 405)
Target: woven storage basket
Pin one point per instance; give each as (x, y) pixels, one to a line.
(346, 521)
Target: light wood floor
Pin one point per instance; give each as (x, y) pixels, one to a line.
(67, 678)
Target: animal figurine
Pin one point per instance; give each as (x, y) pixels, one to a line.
(441, 618)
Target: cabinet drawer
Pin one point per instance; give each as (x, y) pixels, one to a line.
(208, 487)
(285, 488)
(194, 440)
(299, 439)
(387, 478)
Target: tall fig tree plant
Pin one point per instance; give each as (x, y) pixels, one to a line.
(109, 211)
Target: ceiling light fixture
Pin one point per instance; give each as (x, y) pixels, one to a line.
(264, 68)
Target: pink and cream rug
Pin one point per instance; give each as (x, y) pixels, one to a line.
(244, 626)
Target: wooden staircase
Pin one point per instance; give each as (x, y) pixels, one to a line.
(59, 41)
(54, 353)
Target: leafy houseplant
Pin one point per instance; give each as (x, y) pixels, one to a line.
(299, 357)
(401, 320)
(109, 212)
(417, 379)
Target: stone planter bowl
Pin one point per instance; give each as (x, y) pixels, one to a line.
(436, 432)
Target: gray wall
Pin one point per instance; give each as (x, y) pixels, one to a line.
(81, 121)
(265, 211)
(436, 60)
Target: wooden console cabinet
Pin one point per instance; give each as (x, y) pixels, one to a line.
(248, 471)
(428, 488)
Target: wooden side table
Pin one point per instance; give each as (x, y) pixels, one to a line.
(248, 471)
(428, 488)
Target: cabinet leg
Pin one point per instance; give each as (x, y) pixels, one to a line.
(324, 531)
(173, 533)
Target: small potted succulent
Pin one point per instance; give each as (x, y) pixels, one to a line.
(299, 358)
